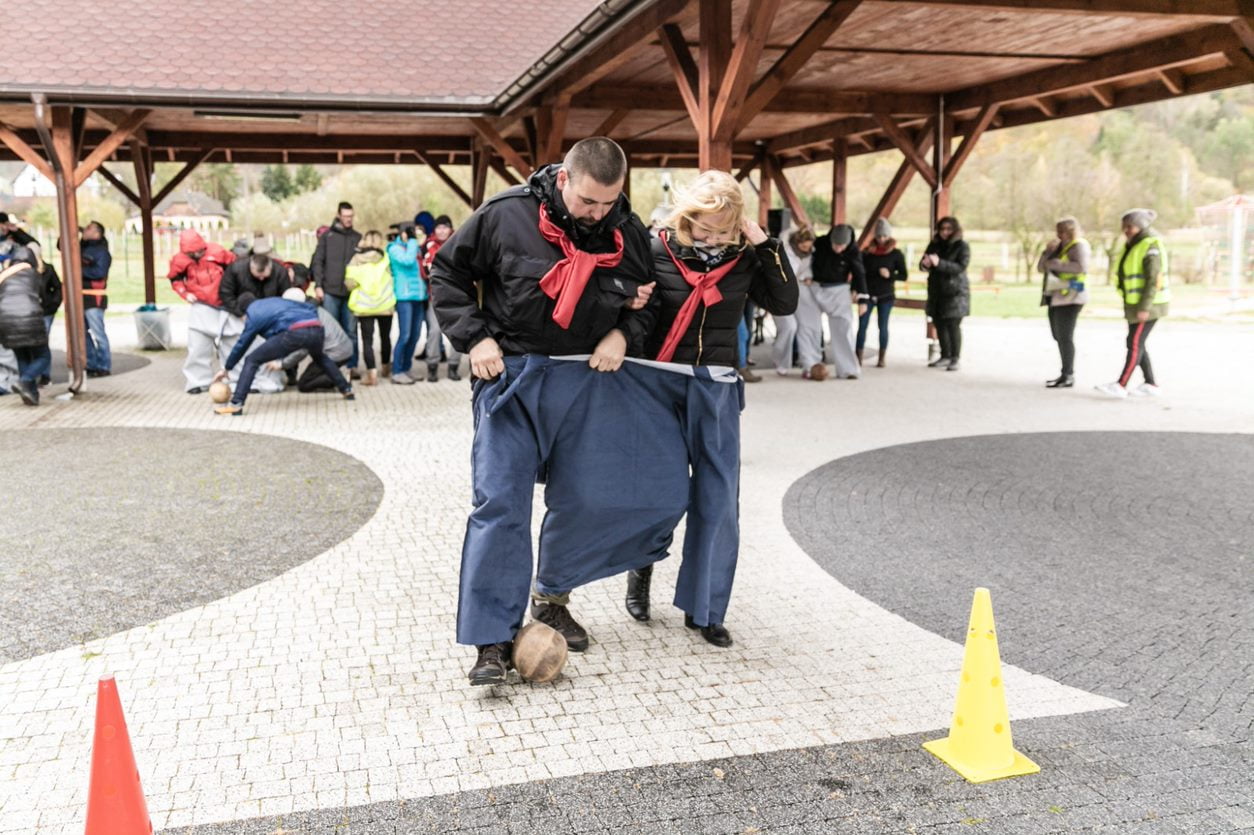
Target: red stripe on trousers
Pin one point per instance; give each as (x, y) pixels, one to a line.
(1134, 355)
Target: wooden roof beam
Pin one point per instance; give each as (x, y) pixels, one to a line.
(907, 146)
(791, 62)
(742, 67)
(25, 152)
(1104, 93)
(786, 191)
(119, 185)
(1174, 80)
(897, 186)
(111, 143)
(1044, 105)
(446, 179)
(610, 122)
(620, 47)
(683, 68)
(493, 137)
(1135, 60)
(803, 100)
(974, 132)
(1190, 8)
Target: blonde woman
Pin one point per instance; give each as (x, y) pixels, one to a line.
(1065, 263)
(372, 299)
(709, 259)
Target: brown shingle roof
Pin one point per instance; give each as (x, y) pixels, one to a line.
(456, 53)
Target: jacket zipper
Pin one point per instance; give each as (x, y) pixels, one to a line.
(780, 265)
(701, 333)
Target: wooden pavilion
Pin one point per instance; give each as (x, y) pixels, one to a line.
(749, 86)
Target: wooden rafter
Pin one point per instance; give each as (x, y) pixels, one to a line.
(445, 178)
(105, 149)
(747, 168)
(610, 122)
(897, 186)
(1044, 105)
(1173, 80)
(24, 151)
(907, 146)
(786, 191)
(119, 185)
(754, 28)
(1140, 59)
(183, 174)
(824, 101)
(1104, 93)
(982, 123)
(683, 68)
(503, 172)
(490, 135)
(558, 113)
(791, 62)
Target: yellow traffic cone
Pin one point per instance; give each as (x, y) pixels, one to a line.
(979, 746)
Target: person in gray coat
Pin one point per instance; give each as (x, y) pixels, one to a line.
(335, 344)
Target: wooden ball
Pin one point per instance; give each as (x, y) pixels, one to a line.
(219, 392)
(539, 652)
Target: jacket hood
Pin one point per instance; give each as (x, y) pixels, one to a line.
(338, 227)
(875, 249)
(543, 184)
(190, 241)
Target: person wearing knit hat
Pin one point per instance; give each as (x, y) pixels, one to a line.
(437, 347)
(885, 265)
(839, 280)
(1142, 280)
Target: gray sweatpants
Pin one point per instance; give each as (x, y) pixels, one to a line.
(434, 337)
(836, 301)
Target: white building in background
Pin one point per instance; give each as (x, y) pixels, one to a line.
(185, 210)
(30, 183)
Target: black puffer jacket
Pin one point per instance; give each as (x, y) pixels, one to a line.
(762, 274)
(21, 312)
(52, 294)
(888, 258)
(238, 281)
(500, 248)
(844, 267)
(948, 291)
(335, 249)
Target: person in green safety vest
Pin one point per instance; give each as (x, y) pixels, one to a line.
(1065, 263)
(1142, 281)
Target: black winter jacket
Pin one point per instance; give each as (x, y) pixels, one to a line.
(51, 294)
(97, 261)
(501, 250)
(762, 274)
(948, 291)
(893, 260)
(335, 249)
(238, 282)
(21, 313)
(845, 267)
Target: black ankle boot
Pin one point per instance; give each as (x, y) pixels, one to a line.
(1066, 381)
(493, 664)
(638, 592)
(715, 633)
(560, 618)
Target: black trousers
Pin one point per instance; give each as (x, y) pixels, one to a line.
(1062, 321)
(949, 332)
(315, 378)
(367, 324)
(1138, 335)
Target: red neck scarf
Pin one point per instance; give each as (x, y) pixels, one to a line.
(568, 278)
(704, 290)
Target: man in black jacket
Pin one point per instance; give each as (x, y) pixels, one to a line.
(335, 249)
(258, 275)
(558, 266)
(839, 280)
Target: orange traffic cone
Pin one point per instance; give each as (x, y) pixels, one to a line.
(115, 800)
(979, 746)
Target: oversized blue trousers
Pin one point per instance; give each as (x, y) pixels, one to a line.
(611, 451)
(707, 413)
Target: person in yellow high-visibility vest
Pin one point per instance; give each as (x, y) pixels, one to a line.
(1143, 283)
(1065, 263)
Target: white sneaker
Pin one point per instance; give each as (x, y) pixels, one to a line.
(1146, 390)
(1112, 390)
(783, 372)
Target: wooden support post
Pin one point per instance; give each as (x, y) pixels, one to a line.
(741, 68)
(840, 175)
(765, 175)
(71, 249)
(446, 179)
(715, 52)
(940, 205)
(479, 171)
(141, 158)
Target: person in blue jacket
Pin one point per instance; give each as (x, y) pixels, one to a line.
(411, 301)
(286, 326)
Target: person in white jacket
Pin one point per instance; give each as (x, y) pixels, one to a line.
(799, 247)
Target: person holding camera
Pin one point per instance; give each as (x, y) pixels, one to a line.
(411, 299)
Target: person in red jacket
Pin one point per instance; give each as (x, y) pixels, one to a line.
(196, 275)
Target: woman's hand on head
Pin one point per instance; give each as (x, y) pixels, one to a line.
(753, 232)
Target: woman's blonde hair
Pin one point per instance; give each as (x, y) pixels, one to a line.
(712, 194)
(371, 240)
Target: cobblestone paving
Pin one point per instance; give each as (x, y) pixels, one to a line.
(331, 699)
(122, 363)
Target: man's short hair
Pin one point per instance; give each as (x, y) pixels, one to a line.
(259, 263)
(598, 157)
(4, 217)
(344, 204)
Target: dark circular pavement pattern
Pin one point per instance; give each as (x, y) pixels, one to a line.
(121, 364)
(107, 529)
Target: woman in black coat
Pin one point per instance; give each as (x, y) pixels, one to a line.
(948, 290)
(22, 321)
(708, 261)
